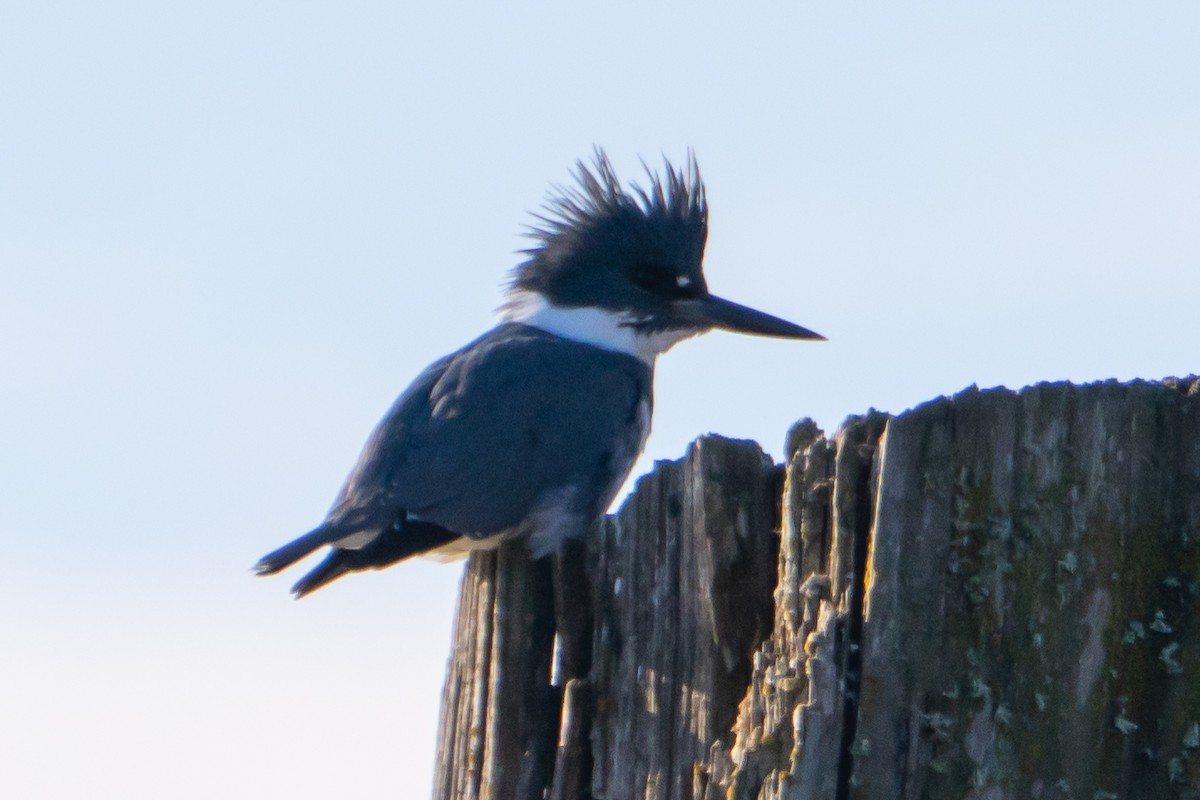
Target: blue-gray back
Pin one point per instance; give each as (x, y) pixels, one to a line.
(484, 433)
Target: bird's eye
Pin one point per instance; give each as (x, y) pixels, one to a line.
(663, 280)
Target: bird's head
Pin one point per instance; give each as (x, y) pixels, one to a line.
(625, 269)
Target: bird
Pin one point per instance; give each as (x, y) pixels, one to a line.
(529, 431)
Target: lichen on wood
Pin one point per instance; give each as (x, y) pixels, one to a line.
(993, 595)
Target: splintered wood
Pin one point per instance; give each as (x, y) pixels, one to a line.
(991, 596)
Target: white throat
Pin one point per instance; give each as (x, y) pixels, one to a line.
(610, 330)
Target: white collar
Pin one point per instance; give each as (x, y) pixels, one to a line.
(610, 330)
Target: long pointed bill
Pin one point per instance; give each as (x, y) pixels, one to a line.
(717, 312)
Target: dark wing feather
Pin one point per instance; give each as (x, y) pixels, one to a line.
(486, 432)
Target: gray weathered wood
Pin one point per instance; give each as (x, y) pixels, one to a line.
(500, 714)
(992, 596)
(683, 582)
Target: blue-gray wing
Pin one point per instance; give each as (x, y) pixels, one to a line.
(481, 437)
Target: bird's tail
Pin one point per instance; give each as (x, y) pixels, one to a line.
(391, 545)
(332, 567)
(292, 552)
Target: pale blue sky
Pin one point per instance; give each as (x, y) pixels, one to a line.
(230, 234)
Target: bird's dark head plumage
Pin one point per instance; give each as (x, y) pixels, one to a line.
(608, 264)
(598, 244)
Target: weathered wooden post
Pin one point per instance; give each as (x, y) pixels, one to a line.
(992, 596)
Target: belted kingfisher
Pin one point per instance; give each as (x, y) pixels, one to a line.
(529, 431)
